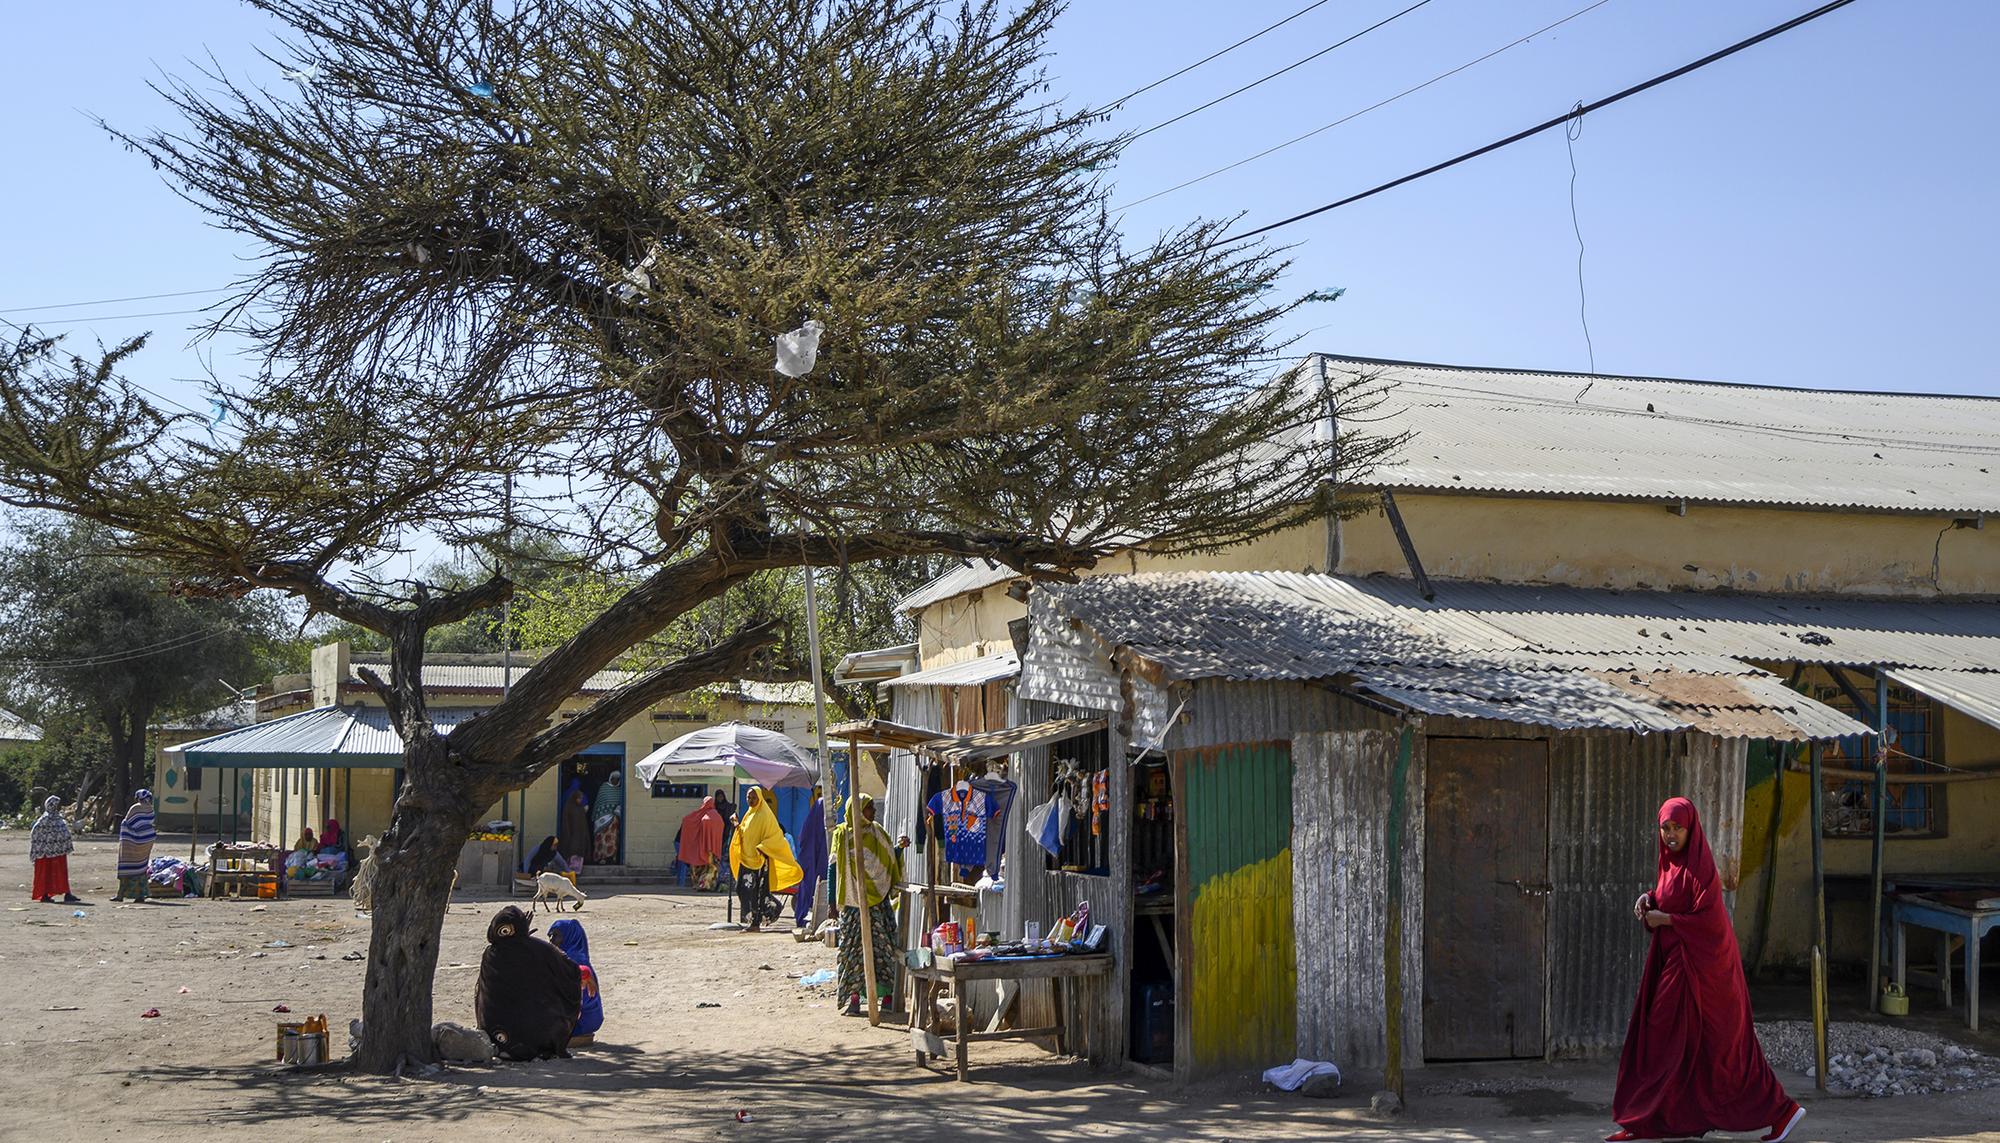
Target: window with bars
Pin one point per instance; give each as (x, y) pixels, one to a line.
(1910, 809)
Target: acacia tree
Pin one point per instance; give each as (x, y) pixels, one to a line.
(557, 239)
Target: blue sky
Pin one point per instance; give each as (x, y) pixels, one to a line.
(1816, 211)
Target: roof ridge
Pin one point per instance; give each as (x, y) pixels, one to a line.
(1588, 377)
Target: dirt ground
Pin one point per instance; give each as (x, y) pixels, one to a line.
(78, 1062)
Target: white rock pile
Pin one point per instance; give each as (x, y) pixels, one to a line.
(1875, 1060)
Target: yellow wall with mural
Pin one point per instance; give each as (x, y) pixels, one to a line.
(1971, 844)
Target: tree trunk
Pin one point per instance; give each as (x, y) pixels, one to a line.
(412, 891)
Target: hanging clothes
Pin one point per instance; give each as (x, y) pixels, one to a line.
(812, 860)
(1691, 1062)
(962, 814)
(1000, 794)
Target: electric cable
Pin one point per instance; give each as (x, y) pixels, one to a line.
(112, 301)
(1558, 121)
(1281, 71)
(1121, 100)
(1324, 127)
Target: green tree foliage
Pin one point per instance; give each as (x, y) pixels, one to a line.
(90, 636)
(522, 267)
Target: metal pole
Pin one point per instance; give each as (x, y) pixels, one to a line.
(1819, 918)
(1875, 853)
(831, 791)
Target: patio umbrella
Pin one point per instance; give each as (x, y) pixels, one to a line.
(766, 756)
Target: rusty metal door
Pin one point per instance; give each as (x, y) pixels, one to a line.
(1486, 822)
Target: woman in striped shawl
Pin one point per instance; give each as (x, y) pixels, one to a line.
(135, 848)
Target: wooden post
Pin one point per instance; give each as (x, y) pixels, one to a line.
(1392, 944)
(1875, 851)
(1409, 547)
(1813, 751)
(855, 824)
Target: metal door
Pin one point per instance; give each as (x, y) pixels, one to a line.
(1233, 815)
(1486, 821)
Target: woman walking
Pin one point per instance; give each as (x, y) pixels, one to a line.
(135, 848)
(878, 864)
(1692, 1063)
(761, 859)
(49, 845)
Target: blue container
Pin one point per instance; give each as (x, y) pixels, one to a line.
(1153, 1023)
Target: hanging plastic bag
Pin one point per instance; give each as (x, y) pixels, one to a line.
(798, 351)
(1045, 825)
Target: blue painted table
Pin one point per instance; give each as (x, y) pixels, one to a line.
(1949, 914)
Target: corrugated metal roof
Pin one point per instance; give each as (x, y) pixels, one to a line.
(1497, 430)
(1248, 625)
(14, 728)
(970, 576)
(999, 743)
(1977, 693)
(964, 673)
(876, 664)
(1739, 706)
(1563, 700)
(327, 737)
(479, 677)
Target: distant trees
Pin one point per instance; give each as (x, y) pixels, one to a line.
(90, 637)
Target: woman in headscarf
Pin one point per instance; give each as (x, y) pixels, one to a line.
(812, 859)
(1692, 1063)
(573, 830)
(307, 842)
(762, 861)
(545, 857)
(330, 838)
(49, 846)
(529, 993)
(877, 878)
(607, 814)
(135, 848)
(701, 843)
(567, 935)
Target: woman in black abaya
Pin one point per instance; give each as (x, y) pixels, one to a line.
(529, 993)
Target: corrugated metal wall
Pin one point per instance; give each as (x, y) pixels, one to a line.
(1340, 814)
(1234, 808)
(1604, 799)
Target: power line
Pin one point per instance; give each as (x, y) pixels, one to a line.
(1280, 71)
(113, 301)
(1121, 100)
(118, 317)
(176, 643)
(1358, 114)
(1555, 122)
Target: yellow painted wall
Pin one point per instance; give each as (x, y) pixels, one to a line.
(1579, 543)
(179, 806)
(1598, 544)
(1971, 845)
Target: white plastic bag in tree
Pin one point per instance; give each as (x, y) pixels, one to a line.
(798, 350)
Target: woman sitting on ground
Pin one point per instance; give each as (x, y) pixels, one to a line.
(529, 994)
(567, 935)
(546, 858)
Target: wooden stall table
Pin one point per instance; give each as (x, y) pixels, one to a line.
(1966, 913)
(954, 974)
(234, 867)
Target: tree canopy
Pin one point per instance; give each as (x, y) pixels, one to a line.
(523, 266)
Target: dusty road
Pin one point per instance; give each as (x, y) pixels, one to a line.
(78, 1062)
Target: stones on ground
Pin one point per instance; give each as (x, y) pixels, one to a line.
(1386, 1103)
(460, 1044)
(1876, 1061)
(1322, 1087)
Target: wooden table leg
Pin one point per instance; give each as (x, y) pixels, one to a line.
(958, 1010)
(1062, 1017)
(1972, 981)
(1944, 967)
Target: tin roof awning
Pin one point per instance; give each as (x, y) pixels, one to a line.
(880, 733)
(1643, 702)
(964, 673)
(325, 738)
(875, 665)
(999, 743)
(1975, 694)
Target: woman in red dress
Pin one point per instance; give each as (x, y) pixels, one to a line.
(1692, 1063)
